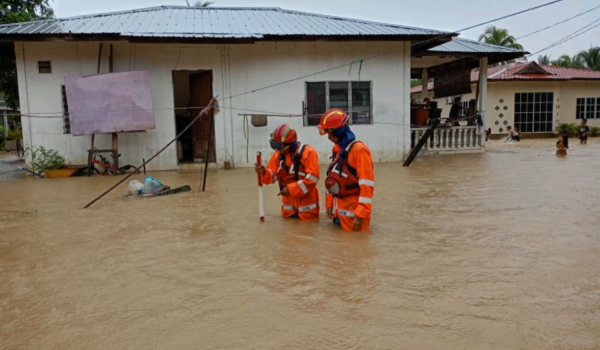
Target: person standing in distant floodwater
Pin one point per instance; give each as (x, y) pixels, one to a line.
(512, 135)
(584, 132)
(562, 144)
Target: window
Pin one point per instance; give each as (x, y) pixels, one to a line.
(66, 119)
(465, 104)
(588, 108)
(354, 97)
(534, 111)
(44, 67)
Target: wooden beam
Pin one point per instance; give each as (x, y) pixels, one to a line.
(111, 60)
(99, 59)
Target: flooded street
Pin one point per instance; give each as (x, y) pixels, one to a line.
(490, 251)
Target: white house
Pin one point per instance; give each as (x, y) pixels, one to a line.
(264, 61)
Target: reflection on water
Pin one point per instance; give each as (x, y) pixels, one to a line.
(491, 251)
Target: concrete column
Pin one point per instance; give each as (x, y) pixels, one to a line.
(483, 97)
(425, 83)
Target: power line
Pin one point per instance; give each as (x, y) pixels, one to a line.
(557, 23)
(569, 37)
(395, 50)
(61, 114)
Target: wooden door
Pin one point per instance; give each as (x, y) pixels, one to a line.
(200, 96)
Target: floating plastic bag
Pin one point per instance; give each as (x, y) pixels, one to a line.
(153, 185)
(136, 187)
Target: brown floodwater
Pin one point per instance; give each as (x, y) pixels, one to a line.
(490, 251)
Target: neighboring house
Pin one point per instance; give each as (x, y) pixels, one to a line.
(534, 98)
(194, 53)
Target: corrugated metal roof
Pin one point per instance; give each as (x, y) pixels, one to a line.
(512, 72)
(190, 22)
(458, 45)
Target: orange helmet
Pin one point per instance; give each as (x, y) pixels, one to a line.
(283, 137)
(332, 120)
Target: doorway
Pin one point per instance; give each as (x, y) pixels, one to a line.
(192, 92)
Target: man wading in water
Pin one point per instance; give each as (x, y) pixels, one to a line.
(351, 177)
(295, 167)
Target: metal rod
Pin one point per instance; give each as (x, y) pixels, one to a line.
(204, 111)
(210, 132)
(144, 161)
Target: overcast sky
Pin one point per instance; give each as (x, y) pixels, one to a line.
(450, 15)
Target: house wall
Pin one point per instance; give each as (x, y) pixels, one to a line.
(236, 69)
(565, 101)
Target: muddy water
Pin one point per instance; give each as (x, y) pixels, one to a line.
(493, 251)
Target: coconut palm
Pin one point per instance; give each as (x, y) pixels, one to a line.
(590, 59)
(500, 37)
(544, 59)
(568, 62)
(200, 3)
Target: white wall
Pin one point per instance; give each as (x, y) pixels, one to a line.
(236, 69)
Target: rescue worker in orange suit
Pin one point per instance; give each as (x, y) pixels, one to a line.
(350, 179)
(295, 167)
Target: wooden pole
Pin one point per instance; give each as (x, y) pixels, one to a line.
(115, 149)
(261, 193)
(421, 143)
(204, 111)
(99, 59)
(110, 60)
(210, 132)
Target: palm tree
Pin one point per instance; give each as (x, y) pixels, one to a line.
(200, 3)
(500, 37)
(544, 59)
(569, 62)
(590, 59)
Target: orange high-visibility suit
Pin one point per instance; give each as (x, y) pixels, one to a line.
(346, 208)
(302, 183)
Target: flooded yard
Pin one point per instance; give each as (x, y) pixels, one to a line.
(487, 251)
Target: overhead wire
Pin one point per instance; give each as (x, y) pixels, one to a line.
(557, 23)
(42, 115)
(571, 36)
(396, 50)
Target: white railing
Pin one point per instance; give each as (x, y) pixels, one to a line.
(455, 139)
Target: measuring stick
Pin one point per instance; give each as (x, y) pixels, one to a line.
(261, 194)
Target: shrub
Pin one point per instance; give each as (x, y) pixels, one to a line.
(570, 129)
(46, 159)
(595, 131)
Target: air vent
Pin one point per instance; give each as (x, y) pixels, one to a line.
(44, 67)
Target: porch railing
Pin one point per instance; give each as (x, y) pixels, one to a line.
(455, 139)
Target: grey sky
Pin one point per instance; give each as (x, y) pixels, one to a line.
(435, 14)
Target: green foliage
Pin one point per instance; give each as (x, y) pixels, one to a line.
(499, 36)
(568, 62)
(46, 159)
(12, 135)
(543, 59)
(416, 82)
(570, 129)
(590, 58)
(595, 130)
(14, 11)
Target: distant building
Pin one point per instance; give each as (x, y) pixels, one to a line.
(194, 53)
(534, 98)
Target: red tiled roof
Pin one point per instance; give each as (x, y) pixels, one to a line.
(511, 72)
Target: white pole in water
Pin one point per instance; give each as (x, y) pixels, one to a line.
(261, 194)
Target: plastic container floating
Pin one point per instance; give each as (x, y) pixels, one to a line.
(136, 187)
